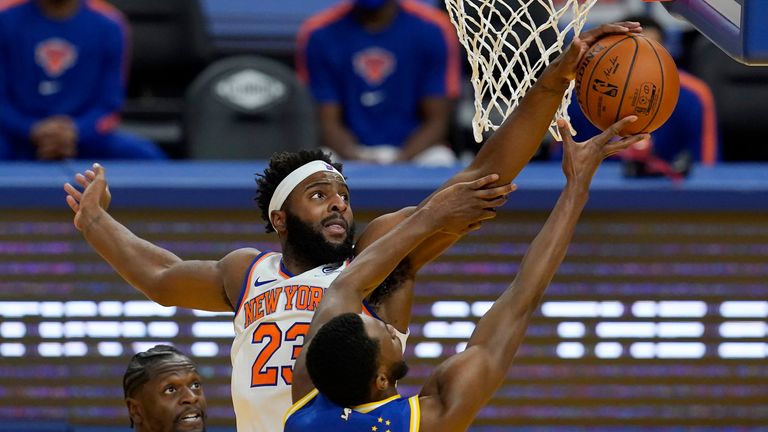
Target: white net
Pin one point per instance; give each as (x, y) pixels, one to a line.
(509, 43)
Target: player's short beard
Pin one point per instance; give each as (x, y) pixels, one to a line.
(309, 246)
(398, 371)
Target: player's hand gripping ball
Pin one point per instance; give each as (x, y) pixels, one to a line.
(625, 75)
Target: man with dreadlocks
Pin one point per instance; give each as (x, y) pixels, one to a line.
(304, 198)
(163, 392)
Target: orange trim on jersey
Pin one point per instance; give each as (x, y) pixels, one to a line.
(108, 123)
(7, 4)
(708, 116)
(112, 13)
(248, 281)
(314, 22)
(437, 17)
(367, 312)
(282, 273)
(106, 9)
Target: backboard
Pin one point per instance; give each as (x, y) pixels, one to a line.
(738, 27)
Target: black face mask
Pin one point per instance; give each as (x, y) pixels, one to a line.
(308, 245)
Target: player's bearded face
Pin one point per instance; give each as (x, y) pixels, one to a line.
(309, 244)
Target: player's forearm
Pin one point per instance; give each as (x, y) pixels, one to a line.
(138, 261)
(512, 311)
(377, 261)
(513, 145)
(548, 249)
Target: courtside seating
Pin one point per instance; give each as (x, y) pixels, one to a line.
(170, 46)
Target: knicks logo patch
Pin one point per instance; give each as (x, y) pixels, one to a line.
(374, 65)
(55, 56)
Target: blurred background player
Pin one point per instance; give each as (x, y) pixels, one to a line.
(689, 135)
(62, 76)
(164, 392)
(384, 74)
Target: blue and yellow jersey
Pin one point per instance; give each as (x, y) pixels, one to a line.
(316, 413)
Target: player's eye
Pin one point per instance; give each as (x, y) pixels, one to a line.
(196, 386)
(169, 389)
(317, 195)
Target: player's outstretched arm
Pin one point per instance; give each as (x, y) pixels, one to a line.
(462, 385)
(458, 209)
(159, 274)
(506, 152)
(511, 146)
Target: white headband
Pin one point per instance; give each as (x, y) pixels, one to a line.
(293, 179)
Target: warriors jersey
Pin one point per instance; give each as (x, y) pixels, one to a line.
(271, 319)
(316, 413)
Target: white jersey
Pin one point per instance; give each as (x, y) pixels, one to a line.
(271, 319)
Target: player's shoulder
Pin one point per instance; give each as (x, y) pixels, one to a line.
(427, 15)
(693, 84)
(243, 258)
(236, 263)
(325, 20)
(396, 413)
(12, 7)
(106, 13)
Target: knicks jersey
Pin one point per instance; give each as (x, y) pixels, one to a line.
(316, 413)
(271, 319)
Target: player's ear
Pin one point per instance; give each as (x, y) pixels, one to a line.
(382, 381)
(134, 411)
(278, 220)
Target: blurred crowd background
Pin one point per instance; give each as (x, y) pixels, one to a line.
(180, 94)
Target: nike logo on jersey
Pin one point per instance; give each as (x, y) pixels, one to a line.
(330, 269)
(257, 283)
(371, 98)
(47, 88)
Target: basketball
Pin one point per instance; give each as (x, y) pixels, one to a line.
(627, 74)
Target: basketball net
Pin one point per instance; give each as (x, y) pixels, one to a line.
(506, 50)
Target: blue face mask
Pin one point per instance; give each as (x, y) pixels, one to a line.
(370, 4)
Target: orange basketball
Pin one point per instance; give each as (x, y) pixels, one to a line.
(627, 74)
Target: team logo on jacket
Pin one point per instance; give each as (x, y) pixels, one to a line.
(55, 56)
(374, 65)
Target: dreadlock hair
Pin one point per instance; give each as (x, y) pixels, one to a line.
(342, 360)
(138, 371)
(280, 165)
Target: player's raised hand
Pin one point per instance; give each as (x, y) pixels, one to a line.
(95, 193)
(462, 207)
(581, 159)
(565, 66)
